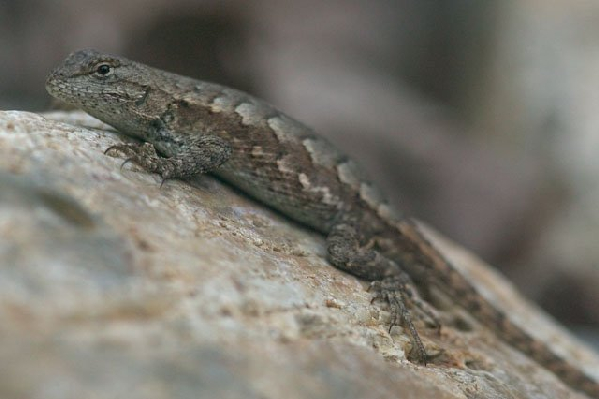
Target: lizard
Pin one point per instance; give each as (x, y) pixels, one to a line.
(186, 127)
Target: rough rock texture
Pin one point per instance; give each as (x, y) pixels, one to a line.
(112, 287)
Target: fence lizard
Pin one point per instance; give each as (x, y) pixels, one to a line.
(188, 126)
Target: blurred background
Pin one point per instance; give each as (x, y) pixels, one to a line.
(479, 117)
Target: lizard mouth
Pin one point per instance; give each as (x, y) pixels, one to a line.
(54, 86)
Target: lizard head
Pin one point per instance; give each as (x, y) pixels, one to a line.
(106, 86)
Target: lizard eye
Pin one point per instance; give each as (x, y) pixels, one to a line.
(103, 69)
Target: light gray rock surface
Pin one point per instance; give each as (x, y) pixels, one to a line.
(112, 287)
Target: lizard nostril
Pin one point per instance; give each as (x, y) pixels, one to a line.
(52, 77)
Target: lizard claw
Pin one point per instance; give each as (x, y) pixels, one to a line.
(164, 179)
(112, 147)
(128, 160)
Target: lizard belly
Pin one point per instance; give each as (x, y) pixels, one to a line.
(282, 195)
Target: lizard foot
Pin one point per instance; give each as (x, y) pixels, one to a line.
(413, 299)
(392, 284)
(200, 155)
(397, 292)
(145, 155)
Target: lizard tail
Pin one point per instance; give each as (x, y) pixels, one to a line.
(456, 285)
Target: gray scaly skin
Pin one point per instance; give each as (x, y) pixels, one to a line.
(188, 126)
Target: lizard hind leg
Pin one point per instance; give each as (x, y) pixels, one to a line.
(391, 283)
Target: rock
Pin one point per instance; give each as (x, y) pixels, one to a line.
(112, 286)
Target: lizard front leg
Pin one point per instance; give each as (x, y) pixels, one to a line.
(392, 284)
(200, 155)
